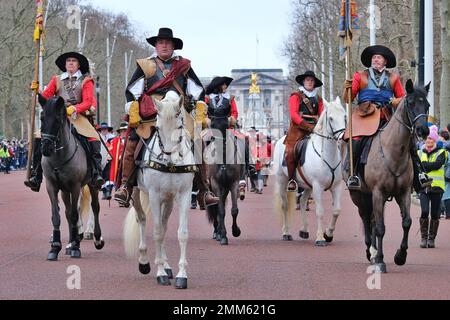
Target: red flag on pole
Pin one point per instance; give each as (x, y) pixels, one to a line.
(348, 25)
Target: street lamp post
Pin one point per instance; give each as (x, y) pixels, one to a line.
(109, 56)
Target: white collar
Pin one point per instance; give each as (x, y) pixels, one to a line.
(309, 94)
(174, 56)
(380, 71)
(225, 95)
(66, 75)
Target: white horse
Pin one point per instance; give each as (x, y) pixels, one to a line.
(321, 171)
(166, 179)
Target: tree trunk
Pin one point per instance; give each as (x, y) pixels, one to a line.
(415, 35)
(444, 100)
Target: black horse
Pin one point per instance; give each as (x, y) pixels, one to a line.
(66, 169)
(224, 176)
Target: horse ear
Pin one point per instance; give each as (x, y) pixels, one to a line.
(409, 86)
(60, 101)
(158, 104)
(427, 87)
(42, 100)
(325, 102)
(338, 100)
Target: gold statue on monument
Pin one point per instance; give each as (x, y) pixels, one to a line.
(254, 89)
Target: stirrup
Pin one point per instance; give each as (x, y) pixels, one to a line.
(354, 183)
(121, 200)
(291, 189)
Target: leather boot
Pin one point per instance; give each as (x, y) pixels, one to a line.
(96, 159)
(123, 194)
(205, 197)
(354, 182)
(434, 225)
(35, 180)
(194, 200)
(423, 232)
(291, 167)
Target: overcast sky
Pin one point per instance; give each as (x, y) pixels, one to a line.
(218, 35)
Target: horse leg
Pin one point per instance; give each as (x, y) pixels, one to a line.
(56, 221)
(364, 204)
(378, 202)
(336, 192)
(221, 218)
(235, 210)
(282, 206)
(404, 202)
(157, 210)
(181, 279)
(138, 197)
(74, 217)
(304, 234)
(165, 220)
(67, 203)
(317, 194)
(99, 243)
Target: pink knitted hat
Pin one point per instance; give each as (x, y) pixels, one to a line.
(433, 133)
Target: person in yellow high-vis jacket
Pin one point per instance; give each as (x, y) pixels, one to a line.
(433, 159)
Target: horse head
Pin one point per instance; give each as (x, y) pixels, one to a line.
(333, 120)
(53, 116)
(169, 111)
(417, 107)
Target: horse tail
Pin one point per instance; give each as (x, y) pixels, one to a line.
(131, 228)
(212, 211)
(131, 237)
(85, 200)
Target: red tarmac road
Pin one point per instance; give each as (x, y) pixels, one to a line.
(258, 265)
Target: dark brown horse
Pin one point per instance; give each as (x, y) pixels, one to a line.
(389, 174)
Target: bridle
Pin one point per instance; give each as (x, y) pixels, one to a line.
(411, 126)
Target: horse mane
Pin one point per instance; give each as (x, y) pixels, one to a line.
(170, 106)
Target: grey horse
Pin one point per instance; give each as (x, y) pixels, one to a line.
(389, 174)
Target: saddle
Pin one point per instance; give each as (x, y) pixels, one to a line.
(364, 123)
(300, 150)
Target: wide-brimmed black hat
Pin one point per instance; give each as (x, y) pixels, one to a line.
(369, 52)
(122, 126)
(84, 63)
(166, 33)
(301, 78)
(104, 126)
(217, 82)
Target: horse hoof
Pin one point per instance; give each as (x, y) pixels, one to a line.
(163, 280)
(144, 268)
(321, 243)
(100, 244)
(169, 273)
(379, 268)
(236, 232)
(304, 234)
(75, 253)
(88, 236)
(81, 236)
(181, 283)
(400, 257)
(287, 237)
(53, 254)
(327, 238)
(218, 237)
(224, 241)
(214, 236)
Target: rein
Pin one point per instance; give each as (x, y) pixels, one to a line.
(411, 126)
